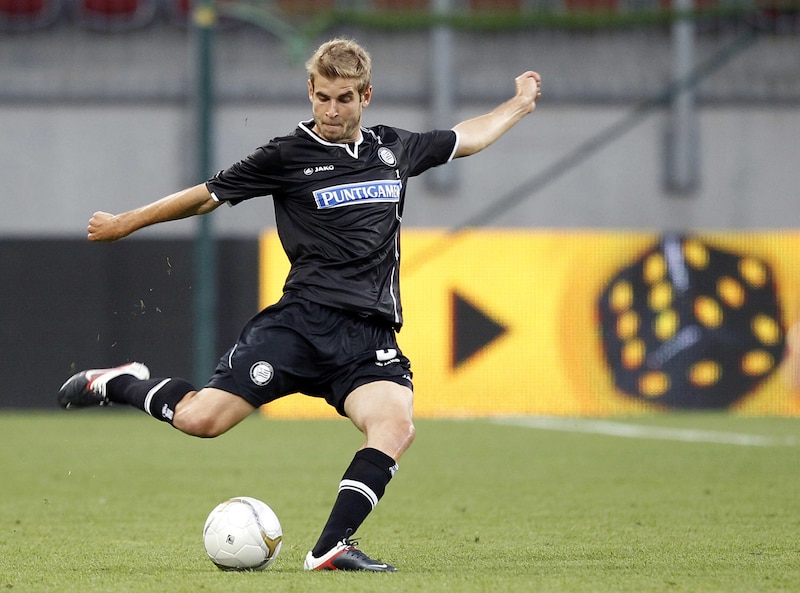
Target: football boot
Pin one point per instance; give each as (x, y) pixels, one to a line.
(89, 388)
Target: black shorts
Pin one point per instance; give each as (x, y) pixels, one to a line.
(297, 346)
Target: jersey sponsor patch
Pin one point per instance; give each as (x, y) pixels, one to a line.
(385, 190)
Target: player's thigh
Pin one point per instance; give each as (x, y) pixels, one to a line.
(383, 411)
(210, 412)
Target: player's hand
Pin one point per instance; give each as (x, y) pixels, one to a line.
(104, 226)
(529, 88)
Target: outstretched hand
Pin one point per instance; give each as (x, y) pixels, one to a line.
(529, 87)
(104, 226)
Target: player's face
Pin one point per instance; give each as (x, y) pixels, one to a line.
(337, 108)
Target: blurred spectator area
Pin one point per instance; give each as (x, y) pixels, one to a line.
(117, 15)
(591, 51)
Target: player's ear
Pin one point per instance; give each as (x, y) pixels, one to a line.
(365, 98)
(310, 90)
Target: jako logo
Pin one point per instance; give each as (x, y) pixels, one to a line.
(359, 193)
(317, 169)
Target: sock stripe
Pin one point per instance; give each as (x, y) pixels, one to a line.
(361, 488)
(149, 397)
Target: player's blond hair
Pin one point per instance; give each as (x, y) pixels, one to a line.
(341, 58)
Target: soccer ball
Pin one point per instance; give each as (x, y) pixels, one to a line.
(242, 533)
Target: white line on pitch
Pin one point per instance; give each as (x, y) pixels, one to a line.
(641, 431)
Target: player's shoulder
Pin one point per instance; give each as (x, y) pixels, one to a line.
(386, 134)
(300, 134)
(296, 136)
(288, 146)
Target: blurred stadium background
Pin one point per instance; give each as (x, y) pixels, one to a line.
(665, 141)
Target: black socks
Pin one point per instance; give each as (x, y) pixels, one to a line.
(362, 486)
(157, 397)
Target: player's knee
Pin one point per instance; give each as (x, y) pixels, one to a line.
(411, 434)
(402, 433)
(410, 431)
(400, 429)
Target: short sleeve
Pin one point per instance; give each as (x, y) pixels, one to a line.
(428, 149)
(257, 175)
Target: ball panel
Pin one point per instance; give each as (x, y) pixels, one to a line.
(242, 533)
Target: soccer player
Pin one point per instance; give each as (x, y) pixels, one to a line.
(338, 190)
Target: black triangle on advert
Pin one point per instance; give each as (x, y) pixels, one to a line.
(472, 329)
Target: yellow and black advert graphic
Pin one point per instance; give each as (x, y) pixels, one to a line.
(589, 323)
(691, 326)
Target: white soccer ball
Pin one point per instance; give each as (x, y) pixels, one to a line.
(242, 533)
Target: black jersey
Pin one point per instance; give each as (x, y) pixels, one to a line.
(338, 209)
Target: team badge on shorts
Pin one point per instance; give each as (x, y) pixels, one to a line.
(261, 373)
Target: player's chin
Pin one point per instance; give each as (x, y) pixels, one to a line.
(334, 133)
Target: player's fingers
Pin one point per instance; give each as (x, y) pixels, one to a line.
(96, 225)
(530, 74)
(538, 80)
(529, 82)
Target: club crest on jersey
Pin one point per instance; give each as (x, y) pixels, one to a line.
(384, 190)
(387, 156)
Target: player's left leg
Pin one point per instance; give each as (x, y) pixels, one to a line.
(383, 411)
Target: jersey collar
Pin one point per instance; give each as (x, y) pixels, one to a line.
(350, 147)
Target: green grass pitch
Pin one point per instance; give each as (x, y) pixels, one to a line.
(107, 501)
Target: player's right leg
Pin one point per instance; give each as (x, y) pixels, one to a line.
(90, 388)
(205, 413)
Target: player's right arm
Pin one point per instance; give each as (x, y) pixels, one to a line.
(188, 202)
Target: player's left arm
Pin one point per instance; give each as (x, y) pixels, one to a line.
(477, 133)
